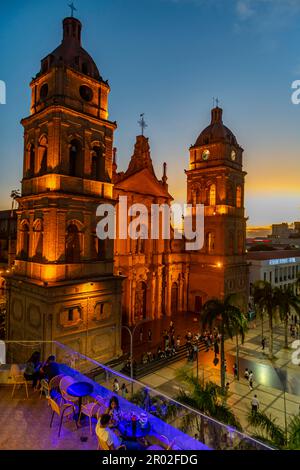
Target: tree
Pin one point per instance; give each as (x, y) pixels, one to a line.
(287, 303)
(266, 301)
(208, 398)
(240, 327)
(227, 315)
(271, 432)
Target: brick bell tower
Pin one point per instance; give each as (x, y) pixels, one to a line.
(216, 179)
(63, 288)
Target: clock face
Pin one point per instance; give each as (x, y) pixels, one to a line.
(233, 155)
(205, 155)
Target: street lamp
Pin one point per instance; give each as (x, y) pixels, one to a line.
(131, 334)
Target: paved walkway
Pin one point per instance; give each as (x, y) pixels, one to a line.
(267, 385)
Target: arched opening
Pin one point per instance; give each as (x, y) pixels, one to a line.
(230, 198)
(43, 154)
(72, 244)
(212, 196)
(240, 243)
(38, 239)
(140, 312)
(97, 164)
(24, 241)
(231, 243)
(174, 298)
(31, 160)
(238, 196)
(210, 242)
(75, 159)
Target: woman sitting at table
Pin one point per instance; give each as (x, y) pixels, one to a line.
(108, 437)
(113, 411)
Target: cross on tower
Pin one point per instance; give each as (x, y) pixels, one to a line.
(142, 123)
(71, 5)
(217, 102)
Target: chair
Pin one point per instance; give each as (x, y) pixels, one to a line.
(44, 388)
(17, 378)
(62, 411)
(64, 383)
(54, 387)
(89, 410)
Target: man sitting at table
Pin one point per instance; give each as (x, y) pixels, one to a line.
(110, 438)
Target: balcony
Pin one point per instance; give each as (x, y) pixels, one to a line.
(25, 422)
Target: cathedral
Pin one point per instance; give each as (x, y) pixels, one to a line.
(74, 288)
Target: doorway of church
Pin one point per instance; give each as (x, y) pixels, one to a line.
(198, 304)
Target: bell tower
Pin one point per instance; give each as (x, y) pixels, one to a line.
(216, 179)
(63, 288)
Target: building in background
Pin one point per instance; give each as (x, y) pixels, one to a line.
(281, 268)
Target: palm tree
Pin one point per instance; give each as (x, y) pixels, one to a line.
(271, 432)
(287, 303)
(207, 398)
(224, 312)
(240, 327)
(265, 300)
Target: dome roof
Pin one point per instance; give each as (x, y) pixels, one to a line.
(216, 131)
(70, 52)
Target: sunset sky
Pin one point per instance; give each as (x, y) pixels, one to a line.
(168, 59)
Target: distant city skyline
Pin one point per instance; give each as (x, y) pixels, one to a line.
(168, 59)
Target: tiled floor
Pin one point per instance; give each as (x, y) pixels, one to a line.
(24, 425)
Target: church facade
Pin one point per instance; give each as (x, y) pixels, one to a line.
(72, 287)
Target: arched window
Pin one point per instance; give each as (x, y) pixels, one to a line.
(38, 239)
(24, 240)
(212, 196)
(210, 242)
(97, 164)
(238, 196)
(75, 159)
(43, 154)
(72, 244)
(32, 160)
(230, 197)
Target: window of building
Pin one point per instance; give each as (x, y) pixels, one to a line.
(210, 242)
(212, 195)
(238, 196)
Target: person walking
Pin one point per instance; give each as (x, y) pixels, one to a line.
(235, 370)
(246, 373)
(263, 343)
(254, 404)
(251, 380)
(116, 386)
(149, 336)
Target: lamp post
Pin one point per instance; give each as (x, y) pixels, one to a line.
(131, 334)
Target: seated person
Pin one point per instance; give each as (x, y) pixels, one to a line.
(113, 411)
(50, 369)
(110, 438)
(32, 368)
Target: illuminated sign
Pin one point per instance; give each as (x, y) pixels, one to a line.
(282, 261)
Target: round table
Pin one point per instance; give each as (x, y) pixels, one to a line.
(126, 429)
(80, 390)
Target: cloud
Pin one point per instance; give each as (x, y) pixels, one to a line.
(244, 9)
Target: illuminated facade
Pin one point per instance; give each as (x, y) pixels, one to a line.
(155, 270)
(64, 288)
(67, 284)
(216, 179)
